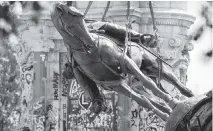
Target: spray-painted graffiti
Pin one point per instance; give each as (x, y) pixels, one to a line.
(26, 73)
(32, 112)
(26, 81)
(53, 105)
(78, 107)
(51, 122)
(63, 112)
(142, 119)
(33, 117)
(65, 85)
(56, 85)
(34, 122)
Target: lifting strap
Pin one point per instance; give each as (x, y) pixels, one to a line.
(88, 7)
(156, 37)
(152, 15)
(128, 42)
(105, 12)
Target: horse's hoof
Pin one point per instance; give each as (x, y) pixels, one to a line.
(165, 117)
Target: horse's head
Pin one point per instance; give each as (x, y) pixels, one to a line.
(70, 23)
(65, 17)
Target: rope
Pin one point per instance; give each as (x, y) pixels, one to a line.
(152, 14)
(128, 42)
(106, 10)
(158, 50)
(88, 7)
(159, 71)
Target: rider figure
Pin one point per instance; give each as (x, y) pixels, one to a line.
(118, 32)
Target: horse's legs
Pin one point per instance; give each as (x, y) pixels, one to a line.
(91, 89)
(140, 99)
(151, 64)
(169, 76)
(160, 106)
(147, 82)
(140, 90)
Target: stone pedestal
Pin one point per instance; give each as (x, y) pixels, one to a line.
(39, 54)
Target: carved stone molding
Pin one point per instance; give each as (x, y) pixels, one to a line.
(182, 63)
(169, 46)
(167, 22)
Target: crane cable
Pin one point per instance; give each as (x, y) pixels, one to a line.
(106, 10)
(158, 49)
(128, 43)
(88, 7)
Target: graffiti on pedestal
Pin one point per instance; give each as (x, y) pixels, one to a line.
(33, 117)
(51, 121)
(56, 85)
(65, 85)
(33, 111)
(78, 110)
(53, 105)
(24, 57)
(142, 119)
(63, 112)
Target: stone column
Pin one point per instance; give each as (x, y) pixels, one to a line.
(39, 91)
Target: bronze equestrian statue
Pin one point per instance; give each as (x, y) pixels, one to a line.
(98, 60)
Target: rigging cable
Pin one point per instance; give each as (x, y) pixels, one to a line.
(158, 49)
(106, 10)
(88, 7)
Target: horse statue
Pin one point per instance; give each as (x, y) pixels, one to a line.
(98, 60)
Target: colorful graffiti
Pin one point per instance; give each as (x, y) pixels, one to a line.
(78, 115)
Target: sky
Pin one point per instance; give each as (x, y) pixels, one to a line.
(200, 70)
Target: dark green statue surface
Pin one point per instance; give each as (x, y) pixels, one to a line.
(98, 58)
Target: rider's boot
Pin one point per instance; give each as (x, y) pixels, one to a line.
(68, 72)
